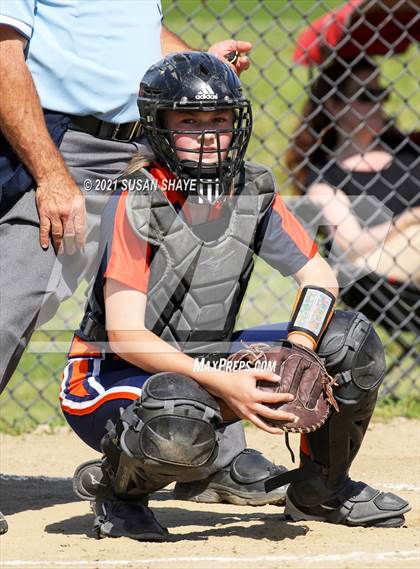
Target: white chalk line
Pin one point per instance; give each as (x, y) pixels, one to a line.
(12, 477)
(402, 486)
(341, 557)
(388, 485)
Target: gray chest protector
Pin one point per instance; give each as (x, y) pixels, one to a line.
(198, 276)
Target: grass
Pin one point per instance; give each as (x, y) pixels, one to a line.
(277, 89)
(407, 406)
(274, 82)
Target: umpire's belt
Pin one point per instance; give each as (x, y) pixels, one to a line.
(124, 132)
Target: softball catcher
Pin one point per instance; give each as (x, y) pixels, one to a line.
(175, 268)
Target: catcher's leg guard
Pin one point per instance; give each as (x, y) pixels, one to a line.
(164, 436)
(171, 430)
(321, 488)
(240, 483)
(351, 349)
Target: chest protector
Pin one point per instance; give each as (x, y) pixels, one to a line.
(198, 275)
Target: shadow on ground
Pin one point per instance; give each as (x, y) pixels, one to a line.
(20, 493)
(272, 527)
(32, 493)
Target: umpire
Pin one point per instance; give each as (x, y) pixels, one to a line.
(69, 74)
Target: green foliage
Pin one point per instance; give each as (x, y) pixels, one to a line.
(274, 82)
(276, 86)
(408, 407)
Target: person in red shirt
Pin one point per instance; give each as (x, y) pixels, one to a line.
(145, 384)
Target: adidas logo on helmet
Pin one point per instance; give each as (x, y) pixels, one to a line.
(206, 93)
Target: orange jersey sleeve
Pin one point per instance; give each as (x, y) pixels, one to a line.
(128, 261)
(294, 228)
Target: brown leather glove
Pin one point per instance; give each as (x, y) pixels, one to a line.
(303, 374)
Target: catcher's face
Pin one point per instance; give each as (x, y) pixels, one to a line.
(208, 133)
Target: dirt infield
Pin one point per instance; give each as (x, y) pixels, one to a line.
(49, 528)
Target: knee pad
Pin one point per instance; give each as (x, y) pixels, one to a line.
(172, 425)
(353, 351)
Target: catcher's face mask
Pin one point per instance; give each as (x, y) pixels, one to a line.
(194, 95)
(202, 141)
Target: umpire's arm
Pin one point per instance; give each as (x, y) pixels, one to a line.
(60, 203)
(170, 42)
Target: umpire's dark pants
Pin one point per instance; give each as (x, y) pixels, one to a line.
(33, 282)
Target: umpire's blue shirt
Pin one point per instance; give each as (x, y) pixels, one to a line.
(87, 56)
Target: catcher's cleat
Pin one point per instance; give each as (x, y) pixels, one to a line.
(118, 518)
(3, 524)
(91, 482)
(240, 483)
(356, 504)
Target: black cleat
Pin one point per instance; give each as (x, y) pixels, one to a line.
(240, 483)
(119, 518)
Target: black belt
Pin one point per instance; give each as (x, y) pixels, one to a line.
(122, 132)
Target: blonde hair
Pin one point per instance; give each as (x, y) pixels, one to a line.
(139, 161)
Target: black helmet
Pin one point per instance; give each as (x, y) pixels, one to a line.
(195, 81)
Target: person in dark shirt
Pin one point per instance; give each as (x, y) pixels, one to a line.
(361, 171)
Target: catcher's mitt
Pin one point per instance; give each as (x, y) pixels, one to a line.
(303, 375)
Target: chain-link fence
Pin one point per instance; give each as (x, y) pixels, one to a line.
(336, 105)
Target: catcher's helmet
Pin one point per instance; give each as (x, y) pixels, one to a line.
(195, 81)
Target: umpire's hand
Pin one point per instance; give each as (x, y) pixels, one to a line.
(62, 213)
(223, 48)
